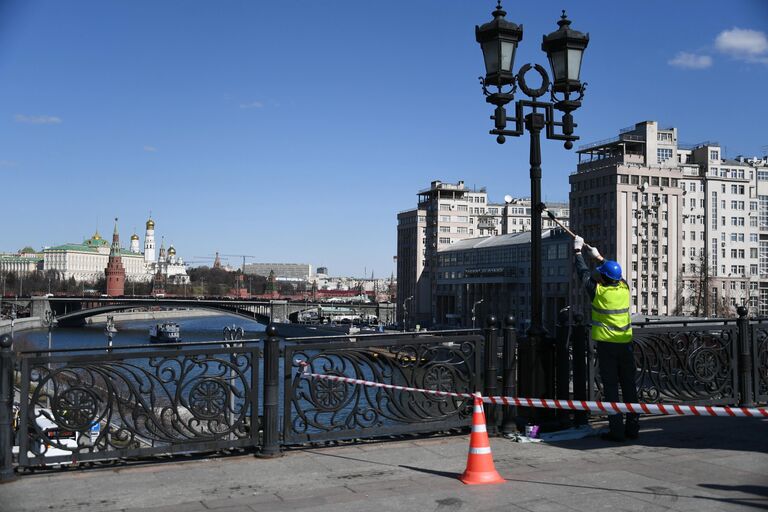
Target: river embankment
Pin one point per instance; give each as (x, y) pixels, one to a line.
(125, 316)
(20, 324)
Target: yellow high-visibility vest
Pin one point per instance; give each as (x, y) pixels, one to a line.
(611, 320)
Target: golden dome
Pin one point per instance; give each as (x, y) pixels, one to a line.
(171, 250)
(150, 224)
(134, 236)
(96, 236)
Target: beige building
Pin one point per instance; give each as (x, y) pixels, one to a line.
(445, 214)
(87, 261)
(683, 221)
(23, 262)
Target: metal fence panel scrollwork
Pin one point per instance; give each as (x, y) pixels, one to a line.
(759, 335)
(137, 403)
(687, 363)
(317, 410)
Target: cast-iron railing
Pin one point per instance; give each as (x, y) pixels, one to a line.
(707, 361)
(90, 405)
(320, 410)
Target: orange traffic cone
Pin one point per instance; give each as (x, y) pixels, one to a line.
(480, 468)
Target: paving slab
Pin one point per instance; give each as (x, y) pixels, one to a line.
(680, 464)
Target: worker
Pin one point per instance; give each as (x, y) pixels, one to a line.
(612, 332)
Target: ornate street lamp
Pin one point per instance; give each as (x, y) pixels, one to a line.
(565, 49)
(498, 39)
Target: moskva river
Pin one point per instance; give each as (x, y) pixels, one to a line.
(135, 332)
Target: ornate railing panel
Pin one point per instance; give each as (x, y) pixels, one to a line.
(693, 364)
(759, 339)
(137, 403)
(317, 410)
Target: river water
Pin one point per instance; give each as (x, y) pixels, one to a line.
(134, 332)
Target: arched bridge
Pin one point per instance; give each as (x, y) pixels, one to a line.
(72, 311)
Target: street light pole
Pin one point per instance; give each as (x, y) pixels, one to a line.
(405, 312)
(473, 311)
(564, 47)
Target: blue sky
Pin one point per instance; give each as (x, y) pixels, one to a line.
(295, 131)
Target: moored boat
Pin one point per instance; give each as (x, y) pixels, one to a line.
(168, 332)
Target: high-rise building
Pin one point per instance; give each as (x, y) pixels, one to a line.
(447, 213)
(682, 220)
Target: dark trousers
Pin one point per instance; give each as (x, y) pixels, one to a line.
(617, 368)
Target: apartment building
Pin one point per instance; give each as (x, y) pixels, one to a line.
(516, 215)
(683, 221)
(447, 213)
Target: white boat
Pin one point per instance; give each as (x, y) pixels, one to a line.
(168, 332)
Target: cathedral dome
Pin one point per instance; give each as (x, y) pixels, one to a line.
(150, 224)
(171, 250)
(134, 236)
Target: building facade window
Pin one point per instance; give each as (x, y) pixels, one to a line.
(663, 154)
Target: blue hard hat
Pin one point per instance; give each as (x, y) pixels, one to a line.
(610, 269)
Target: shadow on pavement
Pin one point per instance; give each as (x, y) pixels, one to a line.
(713, 433)
(446, 474)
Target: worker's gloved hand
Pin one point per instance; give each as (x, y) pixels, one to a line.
(595, 253)
(578, 243)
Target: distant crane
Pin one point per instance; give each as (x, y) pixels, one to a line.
(240, 256)
(199, 259)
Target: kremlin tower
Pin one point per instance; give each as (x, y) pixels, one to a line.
(115, 272)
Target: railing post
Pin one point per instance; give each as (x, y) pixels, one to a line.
(490, 372)
(746, 398)
(562, 365)
(6, 408)
(508, 425)
(580, 361)
(271, 439)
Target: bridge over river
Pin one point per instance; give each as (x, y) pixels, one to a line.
(73, 311)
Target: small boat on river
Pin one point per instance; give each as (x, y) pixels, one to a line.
(168, 332)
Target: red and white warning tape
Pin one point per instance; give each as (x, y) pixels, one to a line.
(573, 405)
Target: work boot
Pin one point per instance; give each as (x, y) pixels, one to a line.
(632, 429)
(610, 436)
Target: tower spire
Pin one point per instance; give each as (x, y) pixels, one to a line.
(115, 271)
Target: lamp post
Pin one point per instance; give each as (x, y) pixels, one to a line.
(473, 311)
(51, 322)
(405, 312)
(564, 48)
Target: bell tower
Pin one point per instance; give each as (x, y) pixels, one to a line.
(149, 241)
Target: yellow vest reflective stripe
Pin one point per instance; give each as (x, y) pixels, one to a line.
(611, 320)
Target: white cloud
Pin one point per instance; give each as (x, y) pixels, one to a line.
(743, 44)
(150, 149)
(21, 118)
(253, 104)
(687, 60)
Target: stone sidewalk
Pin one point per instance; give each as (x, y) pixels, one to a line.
(679, 463)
